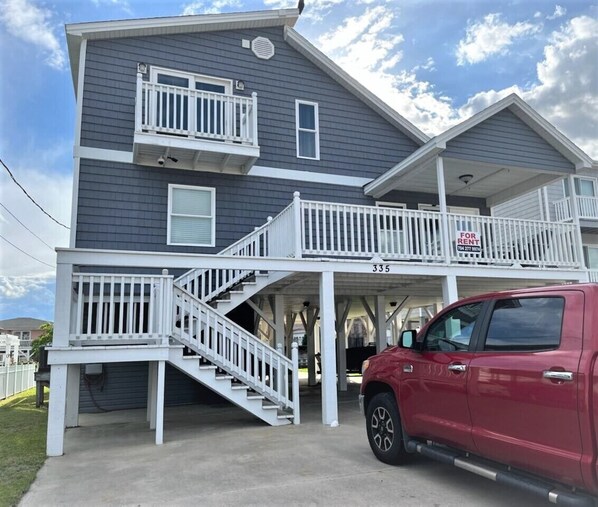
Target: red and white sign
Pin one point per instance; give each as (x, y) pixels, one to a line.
(469, 242)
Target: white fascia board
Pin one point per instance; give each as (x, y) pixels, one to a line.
(380, 185)
(318, 58)
(196, 145)
(76, 32)
(173, 260)
(103, 154)
(106, 354)
(293, 175)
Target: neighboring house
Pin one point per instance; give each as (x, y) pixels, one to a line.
(230, 177)
(554, 202)
(26, 329)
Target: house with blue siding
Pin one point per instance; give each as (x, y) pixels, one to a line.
(232, 184)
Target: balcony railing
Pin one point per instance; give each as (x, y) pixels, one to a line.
(593, 275)
(587, 208)
(166, 109)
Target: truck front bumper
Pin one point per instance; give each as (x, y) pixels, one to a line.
(361, 402)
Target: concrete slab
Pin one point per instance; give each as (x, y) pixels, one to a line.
(220, 456)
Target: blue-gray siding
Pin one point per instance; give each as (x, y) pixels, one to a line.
(354, 140)
(124, 206)
(505, 139)
(124, 386)
(528, 206)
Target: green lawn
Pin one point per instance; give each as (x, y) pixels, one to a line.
(22, 445)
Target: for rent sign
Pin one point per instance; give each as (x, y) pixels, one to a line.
(468, 242)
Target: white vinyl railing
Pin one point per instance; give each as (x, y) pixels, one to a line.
(117, 307)
(16, 378)
(232, 348)
(593, 275)
(507, 240)
(171, 109)
(587, 208)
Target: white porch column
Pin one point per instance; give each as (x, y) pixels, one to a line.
(151, 394)
(279, 334)
(160, 403)
(380, 314)
(56, 410)
(445, 236)
(575, 217)
(449, 289)
(72, 395)
(329, 399)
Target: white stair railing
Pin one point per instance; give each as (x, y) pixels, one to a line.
(235, 350)
(117, 307)
(273, 239)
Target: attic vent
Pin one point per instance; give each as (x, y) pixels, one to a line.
(262, 48)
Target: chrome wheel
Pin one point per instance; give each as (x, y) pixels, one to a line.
(382, 429)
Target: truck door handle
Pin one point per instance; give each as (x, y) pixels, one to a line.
(558, 375)
(407, 368)
(457, 367)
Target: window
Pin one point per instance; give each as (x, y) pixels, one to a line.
(584, 187)
(453, 330)
(391, 234)
(525, 324)
(591, 256)
(191, 215)
(308, 135)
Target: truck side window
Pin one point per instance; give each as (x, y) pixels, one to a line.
(453, 330)
(526, 324)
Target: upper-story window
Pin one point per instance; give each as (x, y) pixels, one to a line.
(308, 134)
(584, 187)
(191, 215)
(207, 114)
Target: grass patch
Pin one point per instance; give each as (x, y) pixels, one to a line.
(22, 445)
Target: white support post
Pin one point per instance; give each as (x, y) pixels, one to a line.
(297, 218)
(342, 310)
(380, 323)
(279, 320)
(445, 236)
(254, 118)
(295, 387)
(153, 393)
(139, 102)
(62, 311)
(72, 395)
(575, 216)
(449, 289)
(328, 362)
(288, 333)
(160, 403)
(57, 410)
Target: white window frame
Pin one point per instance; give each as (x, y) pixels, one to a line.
(594, 182)
(316, 131)
(193, 78)
(212, 190)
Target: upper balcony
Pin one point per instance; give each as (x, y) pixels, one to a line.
(587, 208)
(188, 128)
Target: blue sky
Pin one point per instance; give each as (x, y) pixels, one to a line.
(435, 61)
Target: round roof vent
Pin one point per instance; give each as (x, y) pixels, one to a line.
(262, 48)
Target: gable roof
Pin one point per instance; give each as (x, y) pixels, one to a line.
(21, 324)
(437, 145)
(77, 32)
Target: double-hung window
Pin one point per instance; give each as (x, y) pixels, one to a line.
(584, 187)
(308, 133)
(191, 215)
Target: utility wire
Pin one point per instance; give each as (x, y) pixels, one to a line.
(28, 255)
(31, 198)
(12, 215)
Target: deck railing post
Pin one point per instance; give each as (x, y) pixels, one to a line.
(295, 387)
(298, 225)
(139, 102)
(575, 216)
(254, 118)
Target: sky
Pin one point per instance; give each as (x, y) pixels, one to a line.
(435, 61)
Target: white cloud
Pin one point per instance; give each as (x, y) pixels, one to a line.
(429, 65)
(211, 7)
(123, 4)
(14, 287)
(559, 12)
(566, 93)
(489, 37)
(33, 24)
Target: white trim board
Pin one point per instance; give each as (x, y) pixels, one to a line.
(103, 154)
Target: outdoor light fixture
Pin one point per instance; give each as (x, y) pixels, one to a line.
(142, 68)
(305, 304)
(240, 84)
(466, 178)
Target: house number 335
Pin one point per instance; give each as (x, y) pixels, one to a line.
(381, 268)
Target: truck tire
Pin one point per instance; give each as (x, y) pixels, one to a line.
(384, 430)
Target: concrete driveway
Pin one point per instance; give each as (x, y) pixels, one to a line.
(219, 455)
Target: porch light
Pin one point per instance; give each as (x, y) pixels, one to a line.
(466, 178)
(142, 68)
(240, 84)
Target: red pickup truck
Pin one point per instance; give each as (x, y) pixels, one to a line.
(504, 385)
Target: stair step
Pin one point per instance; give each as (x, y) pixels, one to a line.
(236, 292)
(285, 416)
(270, 407)
(239, 387)
(262, 275)
(207, 367)
(249, 283)
(196, 357)
(255, 396)
(224, 377)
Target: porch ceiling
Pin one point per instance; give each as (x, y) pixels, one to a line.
(421, 290)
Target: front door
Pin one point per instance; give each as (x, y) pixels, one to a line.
(434, 386)
(523, 384)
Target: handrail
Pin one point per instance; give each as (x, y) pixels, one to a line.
(587, 208)
(233, 349)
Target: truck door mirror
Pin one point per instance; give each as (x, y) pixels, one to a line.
(407, 339)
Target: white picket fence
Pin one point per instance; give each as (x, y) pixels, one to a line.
(16, 378)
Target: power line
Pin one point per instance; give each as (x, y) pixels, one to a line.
(31, 198)
(23, 251)
(12, 215)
